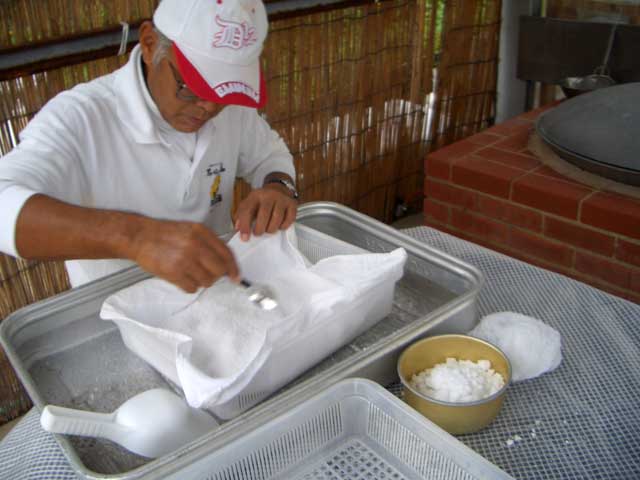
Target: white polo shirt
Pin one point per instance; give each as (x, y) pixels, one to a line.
(103, 144)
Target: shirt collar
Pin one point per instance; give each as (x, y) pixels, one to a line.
(135, 107)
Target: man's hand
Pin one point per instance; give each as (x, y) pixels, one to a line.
(186, 254)
(271, 207)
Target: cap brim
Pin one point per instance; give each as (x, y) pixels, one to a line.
(229, 84)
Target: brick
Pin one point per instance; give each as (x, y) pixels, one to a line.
(550, 195)
(510, 159)
(496, 247)
(632, 296)
(510, 213)
(448, 193)
(628, 252)
(635, 283)
(484, 175)
(452, 231)
(511, 127)
(539, 263)
(484, 138)
(455, 150)
(516, 142)
(605, 287)
(438, 167)
(546, 171)
(534, 114)
(480, 226)
(430, 222)
(436, 211)
(542, 248)
(604, 269)
(579, 236)
(613, 213)
(448, 229)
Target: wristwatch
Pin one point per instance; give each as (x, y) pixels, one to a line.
(290, 186)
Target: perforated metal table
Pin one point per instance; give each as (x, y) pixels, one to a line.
(579, 422)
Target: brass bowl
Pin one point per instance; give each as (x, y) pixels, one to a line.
(455, 418)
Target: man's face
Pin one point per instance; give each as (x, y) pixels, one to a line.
(178, 105)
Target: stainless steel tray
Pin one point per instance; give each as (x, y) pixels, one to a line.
(65, 354)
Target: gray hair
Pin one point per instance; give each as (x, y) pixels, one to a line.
(164, 44)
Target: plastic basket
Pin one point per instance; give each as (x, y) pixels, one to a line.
(353, 430)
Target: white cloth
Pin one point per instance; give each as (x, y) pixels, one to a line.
(213, 343)
(532, 347)
(101, 145)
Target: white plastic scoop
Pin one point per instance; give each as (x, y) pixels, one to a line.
(151, 424)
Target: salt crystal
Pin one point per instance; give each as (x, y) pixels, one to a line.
(517, 438)
(458, 381)
(509, 442)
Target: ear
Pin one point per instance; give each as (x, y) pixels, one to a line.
(148, 41)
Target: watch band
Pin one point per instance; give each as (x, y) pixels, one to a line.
(290, 186)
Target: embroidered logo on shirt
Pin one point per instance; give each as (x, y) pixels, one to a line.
(234, 35)
(215, 169)
(214, 196)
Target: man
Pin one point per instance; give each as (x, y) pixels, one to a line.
(139, 165)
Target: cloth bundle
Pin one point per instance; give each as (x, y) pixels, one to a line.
(215, 343)
(532, 347)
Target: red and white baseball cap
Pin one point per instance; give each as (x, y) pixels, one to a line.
(217, 44)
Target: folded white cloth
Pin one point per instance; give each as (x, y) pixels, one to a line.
(213, 343)
(532, 347)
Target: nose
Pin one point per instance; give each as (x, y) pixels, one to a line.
(209, 107)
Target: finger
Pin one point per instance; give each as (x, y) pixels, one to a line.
(263, 216)
(203, 276)
(186, 283)
(245, 214)
(218, 258)
(277, 216)
(290, 216)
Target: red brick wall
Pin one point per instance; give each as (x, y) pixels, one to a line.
(491, 190)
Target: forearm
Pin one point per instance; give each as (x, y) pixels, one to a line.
(50, 229)
(186, 254)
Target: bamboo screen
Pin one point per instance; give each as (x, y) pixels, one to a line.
(350, 91)
(468, 70)
(349, 99)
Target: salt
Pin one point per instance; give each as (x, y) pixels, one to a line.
(458, 381)
(532, 347)
(227, 331)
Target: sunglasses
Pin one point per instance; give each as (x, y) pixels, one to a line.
(183, 92)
